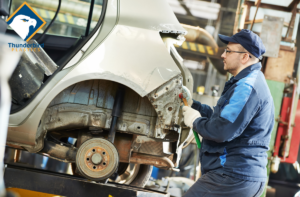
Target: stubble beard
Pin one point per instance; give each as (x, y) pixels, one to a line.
(229, 68)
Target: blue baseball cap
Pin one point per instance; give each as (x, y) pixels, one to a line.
(249, 40)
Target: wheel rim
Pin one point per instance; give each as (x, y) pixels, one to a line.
(97, 159)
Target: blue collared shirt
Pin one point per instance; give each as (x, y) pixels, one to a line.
(236, 134)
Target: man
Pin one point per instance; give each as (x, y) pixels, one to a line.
(237, 132)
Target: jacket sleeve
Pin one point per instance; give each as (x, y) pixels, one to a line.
(229, 121)
(204, 110)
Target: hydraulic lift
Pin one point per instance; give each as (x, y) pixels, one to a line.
(67, 185)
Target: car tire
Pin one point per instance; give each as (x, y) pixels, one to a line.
(143, 176)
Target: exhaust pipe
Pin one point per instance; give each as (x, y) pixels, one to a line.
(201, 36)
(59, 152)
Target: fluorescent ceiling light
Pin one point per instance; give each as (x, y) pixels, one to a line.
(176, 7)
(200, 9)
(285, 3)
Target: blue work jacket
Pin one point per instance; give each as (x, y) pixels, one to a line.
(236, 134)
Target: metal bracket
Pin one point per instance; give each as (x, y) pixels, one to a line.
(166, 103)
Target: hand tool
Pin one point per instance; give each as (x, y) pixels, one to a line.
(181, 96)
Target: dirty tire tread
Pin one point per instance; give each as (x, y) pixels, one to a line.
(143, 176)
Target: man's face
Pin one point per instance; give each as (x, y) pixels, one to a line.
(231, 59)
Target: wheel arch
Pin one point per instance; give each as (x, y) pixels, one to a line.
(23, 128)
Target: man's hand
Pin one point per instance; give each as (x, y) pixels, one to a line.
(190, 115)
(187, 95)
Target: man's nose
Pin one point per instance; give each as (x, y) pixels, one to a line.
(223, 55)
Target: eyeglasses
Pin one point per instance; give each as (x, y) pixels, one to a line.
(228, 51)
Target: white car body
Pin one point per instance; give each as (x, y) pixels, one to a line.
(131, 47)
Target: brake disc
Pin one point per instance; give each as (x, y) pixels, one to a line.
(97, 159)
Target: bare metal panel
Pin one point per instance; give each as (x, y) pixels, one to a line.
(166, 103)
(74, 116)
(271, 34)
(101, 93)
(152, 148)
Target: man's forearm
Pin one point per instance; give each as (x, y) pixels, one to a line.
(204, 110)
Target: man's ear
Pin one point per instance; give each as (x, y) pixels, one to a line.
(245, 58)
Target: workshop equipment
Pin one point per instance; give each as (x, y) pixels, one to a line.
(30, 179)
(288, 136)
(181, 96)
